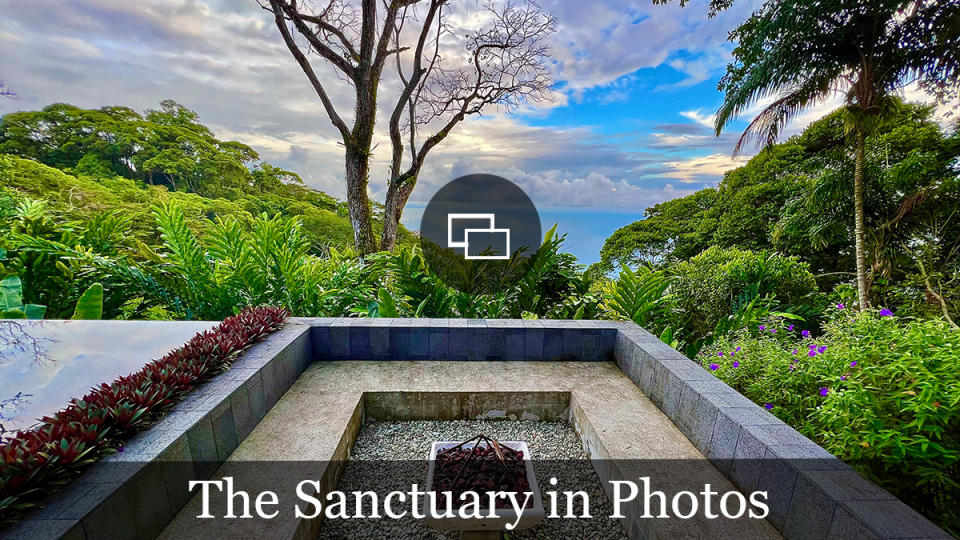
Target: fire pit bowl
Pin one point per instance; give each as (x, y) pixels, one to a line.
(531, 515)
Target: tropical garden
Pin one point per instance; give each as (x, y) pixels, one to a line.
(821, 279)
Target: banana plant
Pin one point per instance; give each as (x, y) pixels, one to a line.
(90, 305)
(11, 301)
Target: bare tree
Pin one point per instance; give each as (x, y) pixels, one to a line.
(442, 79)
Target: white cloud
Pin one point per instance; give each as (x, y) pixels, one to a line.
(599, 42)
(702, 169)
(700, 117)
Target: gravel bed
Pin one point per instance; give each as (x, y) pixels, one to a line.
(377, 463)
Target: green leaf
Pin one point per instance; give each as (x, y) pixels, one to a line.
(34, 311)
(667, 336)
(11, 293)
(90, 305)
(373, 309)
(12, 314)
(388, 308)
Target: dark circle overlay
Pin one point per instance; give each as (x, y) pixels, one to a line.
(483, 207)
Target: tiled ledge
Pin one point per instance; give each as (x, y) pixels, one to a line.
(820, 495)
(462, 339)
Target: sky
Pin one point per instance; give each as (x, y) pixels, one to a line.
(628, 124)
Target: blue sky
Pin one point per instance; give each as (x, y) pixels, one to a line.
(627, 126)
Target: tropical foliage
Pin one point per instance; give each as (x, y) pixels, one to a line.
(801, 53)
(878, 390)
(793, 198)
(116, 159)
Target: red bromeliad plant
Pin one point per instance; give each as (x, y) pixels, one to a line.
(37, 462)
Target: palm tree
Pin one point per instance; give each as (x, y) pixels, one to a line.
(799, 53)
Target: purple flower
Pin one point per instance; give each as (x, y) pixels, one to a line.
(795, 352)
(840, 306)
(822, 349)
(120, 449)
(843, 377)
(792, 367)
(720, 353)
(796, 360)
(737, 349)
(773, 330)
(824, 391)
(853, 364)
(768, 406)
(790, 328)
(762, 327)
(805, 333)
(714, 367)
(886, 313)
(812, 353)
(736, 364)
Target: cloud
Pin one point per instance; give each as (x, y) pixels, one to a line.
(298, 154)
(702, 169)
(704, 119)
(224, 59)
(599, 42)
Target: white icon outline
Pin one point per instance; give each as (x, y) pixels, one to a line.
(465, 244)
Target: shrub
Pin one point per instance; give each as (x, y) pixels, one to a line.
(715, 283)
(37, 462)
(880, 392)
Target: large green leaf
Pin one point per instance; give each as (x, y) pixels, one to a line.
(90, 305)
(387, 306)
(10, 293)
(34, 311)
(12, 314)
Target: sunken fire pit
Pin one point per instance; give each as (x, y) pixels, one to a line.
(486, 467)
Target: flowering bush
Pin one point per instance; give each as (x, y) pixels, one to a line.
(880, 392)
(35, 463)
(717, 282)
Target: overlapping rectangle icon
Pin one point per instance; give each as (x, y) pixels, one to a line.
(478, 236)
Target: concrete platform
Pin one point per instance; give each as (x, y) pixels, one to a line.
(318, 419)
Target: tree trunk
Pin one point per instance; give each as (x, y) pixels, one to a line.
(858, 218)
(358, 203)
(932, 292)
(397, 196)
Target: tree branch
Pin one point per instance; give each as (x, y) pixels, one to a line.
(324, 50)
(308, 71)
(406, 96)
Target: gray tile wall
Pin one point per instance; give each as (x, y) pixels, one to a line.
(462, 339)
